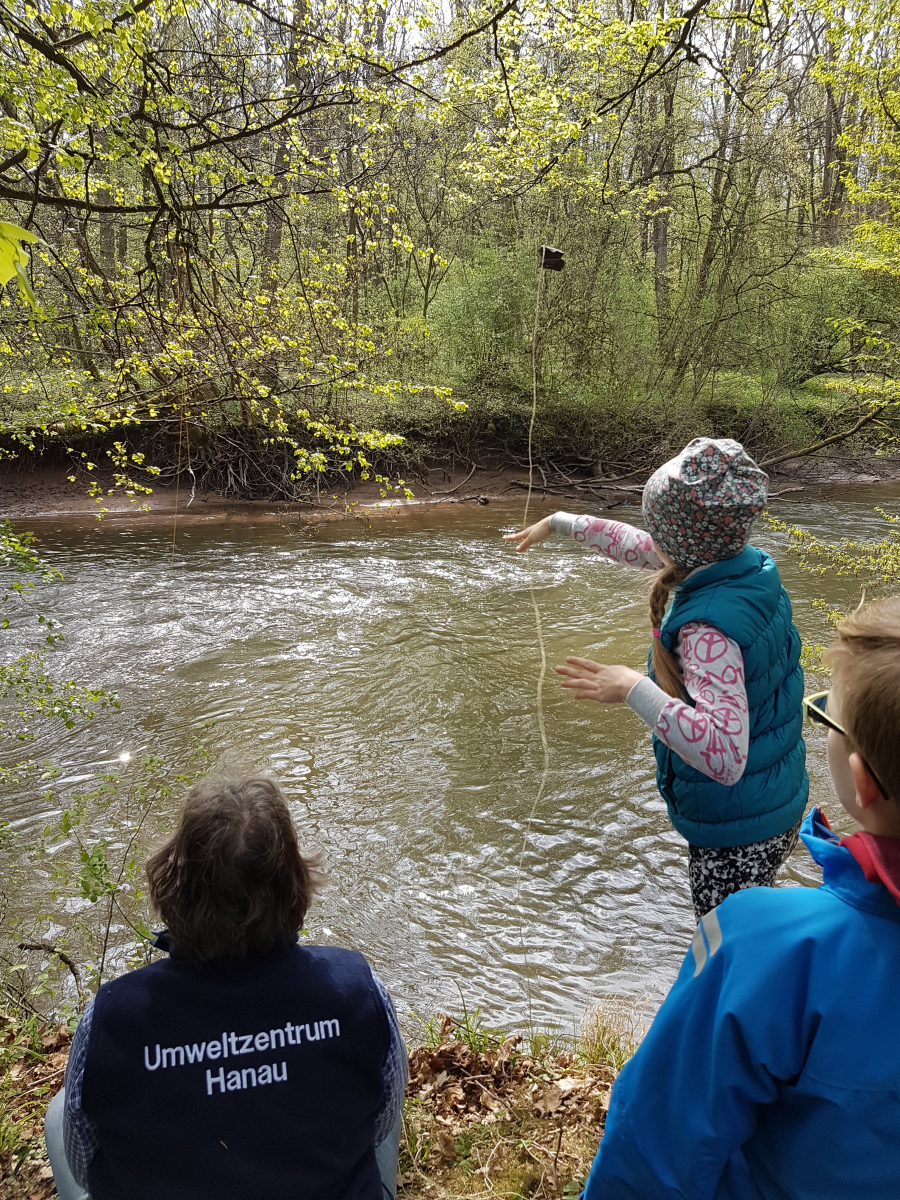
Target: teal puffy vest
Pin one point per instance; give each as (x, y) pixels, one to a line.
(744, 598)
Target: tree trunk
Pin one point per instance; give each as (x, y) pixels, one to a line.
(833, 169)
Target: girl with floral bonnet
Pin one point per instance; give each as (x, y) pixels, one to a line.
(723, 689)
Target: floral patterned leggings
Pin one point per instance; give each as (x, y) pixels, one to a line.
(716, 873)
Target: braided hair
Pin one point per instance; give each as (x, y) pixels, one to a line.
(665, 668)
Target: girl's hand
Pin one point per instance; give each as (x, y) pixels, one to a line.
(526, 538)
(598, 682)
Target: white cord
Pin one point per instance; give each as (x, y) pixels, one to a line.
(542, 729)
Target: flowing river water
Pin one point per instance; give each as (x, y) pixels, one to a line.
(385, 672)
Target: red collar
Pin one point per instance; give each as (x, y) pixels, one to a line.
(879, 858)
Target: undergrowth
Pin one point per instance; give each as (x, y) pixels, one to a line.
(488, 1113)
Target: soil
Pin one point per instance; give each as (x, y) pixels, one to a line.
(45, 491)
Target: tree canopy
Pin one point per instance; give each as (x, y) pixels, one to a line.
(272, 238)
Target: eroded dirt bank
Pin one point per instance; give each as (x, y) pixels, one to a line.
(47, 492)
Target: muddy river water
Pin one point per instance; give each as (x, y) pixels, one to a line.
(385, 672)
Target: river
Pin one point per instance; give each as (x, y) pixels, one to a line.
(384, 669)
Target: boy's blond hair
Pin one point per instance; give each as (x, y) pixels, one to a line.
(865, 658)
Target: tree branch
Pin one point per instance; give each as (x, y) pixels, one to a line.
(49, 948)
(830, 441)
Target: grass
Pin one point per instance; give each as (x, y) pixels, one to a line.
(612, 1030)
(490, 1114)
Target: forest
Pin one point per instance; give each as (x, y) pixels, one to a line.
(264, 244)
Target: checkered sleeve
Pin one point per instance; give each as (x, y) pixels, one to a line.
(79, 1131)
(394, 1071)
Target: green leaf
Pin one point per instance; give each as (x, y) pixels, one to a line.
(14, 258)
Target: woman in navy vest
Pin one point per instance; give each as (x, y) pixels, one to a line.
(724, 684)
(243, 1064)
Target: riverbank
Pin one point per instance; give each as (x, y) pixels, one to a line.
(45, 491)
(484, 1111)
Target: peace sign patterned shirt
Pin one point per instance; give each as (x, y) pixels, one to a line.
(713, 735)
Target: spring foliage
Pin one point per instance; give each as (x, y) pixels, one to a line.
(269, 233)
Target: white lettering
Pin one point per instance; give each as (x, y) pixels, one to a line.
(237, 1081)
(211, 1079)
(245, 1043)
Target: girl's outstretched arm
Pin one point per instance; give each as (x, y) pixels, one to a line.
(613, 539)
(711, 734)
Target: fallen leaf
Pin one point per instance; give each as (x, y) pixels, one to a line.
(548, 1101)
(444, 1146)
(506, 1049)
(569, 1084)
(434, 1086)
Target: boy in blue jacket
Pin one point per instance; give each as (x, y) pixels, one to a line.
(772, 1070)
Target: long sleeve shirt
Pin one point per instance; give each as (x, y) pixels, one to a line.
(80, 1133)
(713, 733)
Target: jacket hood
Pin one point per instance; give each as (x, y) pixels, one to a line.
(865, 876)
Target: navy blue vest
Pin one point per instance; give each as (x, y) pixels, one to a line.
(744, 598)
(256, 1079)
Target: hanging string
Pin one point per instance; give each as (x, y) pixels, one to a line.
(539, 632)
(180, 299)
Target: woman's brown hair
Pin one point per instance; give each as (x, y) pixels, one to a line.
(665, 668)
(231, 881)
(865, 657)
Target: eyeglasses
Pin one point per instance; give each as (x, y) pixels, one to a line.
(815, 709)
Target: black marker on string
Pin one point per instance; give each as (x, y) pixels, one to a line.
(550, 259)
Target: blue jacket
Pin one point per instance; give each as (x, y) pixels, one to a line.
(772, 1070)
(743, 597)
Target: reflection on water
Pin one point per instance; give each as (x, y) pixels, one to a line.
(386, 674)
